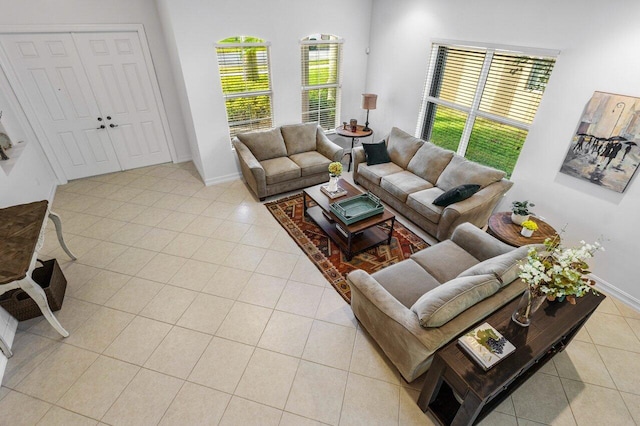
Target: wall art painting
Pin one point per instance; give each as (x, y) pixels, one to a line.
(605, 149)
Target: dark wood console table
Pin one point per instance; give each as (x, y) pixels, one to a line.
(454, 376)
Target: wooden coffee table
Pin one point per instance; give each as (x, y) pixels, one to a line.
(501, 227)
(361, 235)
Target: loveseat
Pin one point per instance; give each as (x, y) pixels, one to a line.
(416, 306)
(419, 172)
(285, 158)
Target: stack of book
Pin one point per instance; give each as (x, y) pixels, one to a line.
(335, 194)
(486, 345)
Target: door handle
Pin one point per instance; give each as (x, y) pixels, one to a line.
(101, 127)
(113, 125)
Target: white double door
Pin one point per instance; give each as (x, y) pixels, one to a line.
(92, 94)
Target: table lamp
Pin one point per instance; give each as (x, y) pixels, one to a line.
(368, 102)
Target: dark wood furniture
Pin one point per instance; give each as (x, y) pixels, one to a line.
(361, 235)
(501, 227)
(454, 376)
(359, 133)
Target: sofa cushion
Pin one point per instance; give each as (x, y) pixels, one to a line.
(505, 267)
(445, 260)
(402, 147)
(279, 170)
(299, 137)
(429, 161)
(460, 171)
(422, 203)
(376, 153)
(378, 171)
(395, 279)
(264, 144)
(311, 163)
(459, 193)
(401, 184)
(450, 299)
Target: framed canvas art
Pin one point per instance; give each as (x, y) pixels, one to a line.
(605, 148)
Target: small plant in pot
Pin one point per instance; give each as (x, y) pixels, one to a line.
(528, 226)
(520, 211)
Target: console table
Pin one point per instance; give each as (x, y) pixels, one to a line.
(21, 237)
(454, 376)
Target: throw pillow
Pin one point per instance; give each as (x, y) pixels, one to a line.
(456, 194)
(376, 153)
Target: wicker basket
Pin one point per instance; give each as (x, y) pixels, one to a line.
(49, 276)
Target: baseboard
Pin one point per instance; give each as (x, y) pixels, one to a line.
(183, 159)
(52, 194)
(616, 292)
(222, 179)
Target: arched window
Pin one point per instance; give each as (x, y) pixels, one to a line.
(321, 59)
(245, 76)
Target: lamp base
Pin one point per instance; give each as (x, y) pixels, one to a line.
(366, 128)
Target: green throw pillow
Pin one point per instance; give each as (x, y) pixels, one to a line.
(376, 153)
(456, 194)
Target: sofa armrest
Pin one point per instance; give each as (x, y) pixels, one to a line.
(478, 243)
(358, 156)
(327, 148)
(252, 170)
(475, 209)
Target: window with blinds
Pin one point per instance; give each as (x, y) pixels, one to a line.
(246, 83)
(480, 102)
(321, 57)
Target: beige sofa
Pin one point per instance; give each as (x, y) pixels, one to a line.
(417, 306)
(419, 172)
(285, 158)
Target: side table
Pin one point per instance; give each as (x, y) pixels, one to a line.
(457, 391)
(501, 227)
(359, 133)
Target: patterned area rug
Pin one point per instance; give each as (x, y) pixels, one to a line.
(326, 255)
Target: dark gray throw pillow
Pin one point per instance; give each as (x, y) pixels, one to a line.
(376, 153)
(456, 194)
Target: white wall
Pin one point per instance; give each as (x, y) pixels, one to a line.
(196, 26)
(46, 12)
(599, 51)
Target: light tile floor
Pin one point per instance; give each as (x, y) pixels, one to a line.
(191, 305)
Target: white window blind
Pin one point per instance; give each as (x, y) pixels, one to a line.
(480, 102)
(246, 83)
(321, 58)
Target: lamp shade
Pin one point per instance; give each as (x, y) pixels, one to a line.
(369, 101)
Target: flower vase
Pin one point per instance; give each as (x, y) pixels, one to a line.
(519, 218)
(527, 305)
(333, 183)
(526, 232)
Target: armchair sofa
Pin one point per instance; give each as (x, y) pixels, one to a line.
(419, 172)
(416, 306)
(285, 158)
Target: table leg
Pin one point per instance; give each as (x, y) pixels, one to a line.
(393, 221)
(58, 224)
(37, 294)
(353, 141)
(304, 203)
(349, 250)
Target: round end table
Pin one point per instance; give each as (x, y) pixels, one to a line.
(501, 227)
(359, 133)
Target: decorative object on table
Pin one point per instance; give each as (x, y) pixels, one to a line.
(528, 226)
(604, 149)
(335, 170)
(368, 102)
(360, 207)
(520, 211)
(554, 273)
(344, 125)
(486, 345)
(3, 155)
(326, 254)
(353, 125)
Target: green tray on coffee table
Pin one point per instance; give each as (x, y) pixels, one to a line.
(354, 209)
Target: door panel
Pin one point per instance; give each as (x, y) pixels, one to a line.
(120, 78)
(56, 85)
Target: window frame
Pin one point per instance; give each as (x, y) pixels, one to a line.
(247, 94)
(473, 112)
(308, 88)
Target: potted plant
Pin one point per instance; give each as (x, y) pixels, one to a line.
(335, 170)
(555, 274)
(528, 226)
(520, 211)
